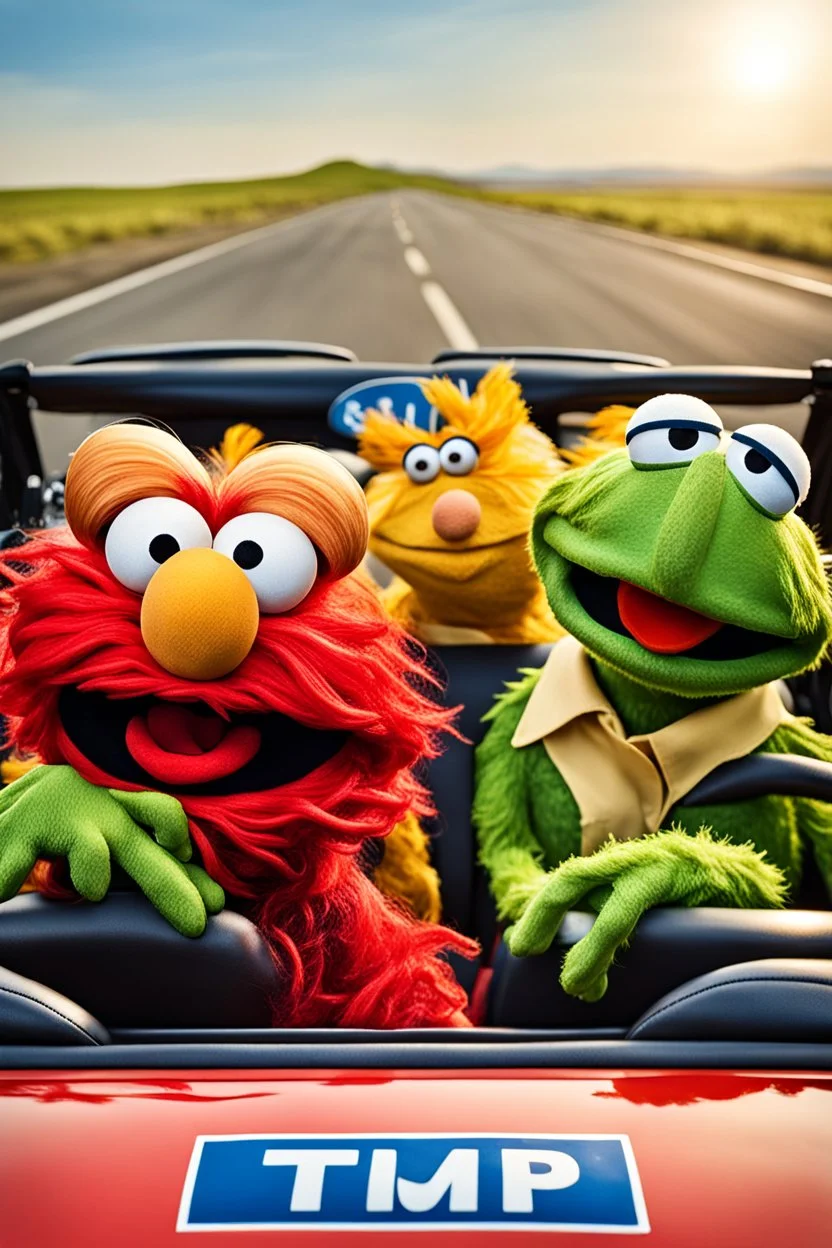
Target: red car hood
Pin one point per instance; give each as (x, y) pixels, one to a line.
(102, 1158)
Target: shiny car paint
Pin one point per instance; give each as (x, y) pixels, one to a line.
(725, 1158)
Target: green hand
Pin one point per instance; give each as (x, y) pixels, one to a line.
(622, 880)
(52, 811)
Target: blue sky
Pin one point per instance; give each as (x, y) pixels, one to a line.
(160, 90)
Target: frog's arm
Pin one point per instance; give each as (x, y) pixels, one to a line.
(623, 879)
(508, 847)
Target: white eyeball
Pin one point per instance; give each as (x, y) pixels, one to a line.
(276, 556)
(459, 456)
(770, 466)
(421, 463)
(670, 430)
(147, 533)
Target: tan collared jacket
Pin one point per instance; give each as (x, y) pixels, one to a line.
(625, 786)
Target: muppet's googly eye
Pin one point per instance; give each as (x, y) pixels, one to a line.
(421, 463)
(147, 533)
(277, 557)
(459, 456)
(770, 467)
(671, 430)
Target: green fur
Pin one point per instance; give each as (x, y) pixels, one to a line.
(52, 811)
(691, 535)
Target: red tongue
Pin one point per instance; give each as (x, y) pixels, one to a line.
(179, 730)
(177, 746)
(661, 626)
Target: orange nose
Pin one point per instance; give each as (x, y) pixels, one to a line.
(199, 615)
(456, 515)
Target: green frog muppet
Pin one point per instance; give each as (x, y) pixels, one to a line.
(687, 585)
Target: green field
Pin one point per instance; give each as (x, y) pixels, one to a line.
(40, 223)
(793, 223)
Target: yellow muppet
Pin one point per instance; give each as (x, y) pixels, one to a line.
(450, 513)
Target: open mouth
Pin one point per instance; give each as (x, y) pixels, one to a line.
(187, 748)
(660, 626)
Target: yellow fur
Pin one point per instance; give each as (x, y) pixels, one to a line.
(484, 583)
(13, 767)
(606, 434)
(238, 441)
(405, 871)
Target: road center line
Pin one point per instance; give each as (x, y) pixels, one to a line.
(446, 314)
(416, 262)
(401, 228)
(448, 317)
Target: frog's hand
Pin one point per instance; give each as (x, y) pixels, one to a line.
(625, 878)
(54, 812)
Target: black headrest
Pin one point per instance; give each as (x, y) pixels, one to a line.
(669, 948)
(777, 1000)
(473, 676)
(33, 1014)
(125, 964)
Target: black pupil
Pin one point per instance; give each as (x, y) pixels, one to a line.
(454, 457)
(755, 462)
(248, 554)
(421, 465)
(163, 546)
(683, 439)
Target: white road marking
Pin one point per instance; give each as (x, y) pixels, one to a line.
(448, 317)
(416, 262)
(401, 228)
(143, 277)
(748, 268)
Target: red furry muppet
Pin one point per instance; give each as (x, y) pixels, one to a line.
(196, 643)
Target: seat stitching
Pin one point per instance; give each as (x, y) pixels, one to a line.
(748, 979)
(14, 992)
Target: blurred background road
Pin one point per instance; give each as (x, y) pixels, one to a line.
(352, 273)
(398, 277)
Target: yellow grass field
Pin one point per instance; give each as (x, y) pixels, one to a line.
(793, 223)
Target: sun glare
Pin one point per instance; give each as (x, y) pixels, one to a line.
(764, 68)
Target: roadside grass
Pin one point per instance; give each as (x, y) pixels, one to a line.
(36, 224)
(793, 223)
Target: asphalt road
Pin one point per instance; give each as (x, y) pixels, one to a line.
(354, 273)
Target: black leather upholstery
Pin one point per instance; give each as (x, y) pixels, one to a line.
(33, 1014)
(125, 964)
(786, 1000)
(790, 775)
(669, 948)
(473, 675)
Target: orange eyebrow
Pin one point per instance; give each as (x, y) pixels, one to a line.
(311, 489)
(122, 463)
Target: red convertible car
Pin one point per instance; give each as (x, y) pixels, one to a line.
(145, 1095)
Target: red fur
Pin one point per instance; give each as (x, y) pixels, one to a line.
(351, 957)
